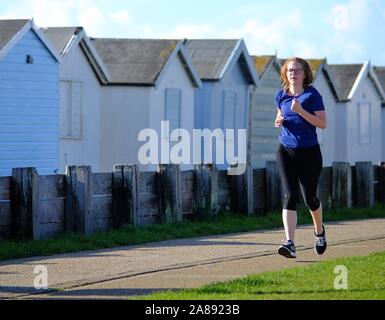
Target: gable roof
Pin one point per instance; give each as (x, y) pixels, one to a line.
(212, 57)
(316, 65)
(263, 62)
(60, 37)
(380, 73)
(66, 38)
(348, 77)
(11, 31)
(319, 66)
(141, 61)
(345, 75)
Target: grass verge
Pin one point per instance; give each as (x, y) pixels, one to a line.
(365, 281)
(130, 235)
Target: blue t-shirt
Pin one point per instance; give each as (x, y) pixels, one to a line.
(296, 131)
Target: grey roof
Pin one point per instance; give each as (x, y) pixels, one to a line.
(261, 63)
(380, 73)
(60, 36)
(210, 56)
(344, 76)
(63, 40)
(134, 61)
(9, 28)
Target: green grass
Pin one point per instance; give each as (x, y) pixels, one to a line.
(366, 280)
(130, 235)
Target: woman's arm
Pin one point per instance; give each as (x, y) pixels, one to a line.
(278, 119)
(318, 120)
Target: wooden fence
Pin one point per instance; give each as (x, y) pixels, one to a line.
(38, 207)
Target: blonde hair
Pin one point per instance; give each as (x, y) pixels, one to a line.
(306, 69)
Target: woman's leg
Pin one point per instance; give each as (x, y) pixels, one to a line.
(289, 218)
(310, 166)
(317, 220)
(289, 178)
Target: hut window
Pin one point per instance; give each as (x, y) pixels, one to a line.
(71, 114)
(29, 59)
(364, 123)
(173, 108)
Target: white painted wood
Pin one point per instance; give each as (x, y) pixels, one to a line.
(126, 110)
(327, 136)
(80, 112)
(263, 134)
(29, 126)
(369, 150)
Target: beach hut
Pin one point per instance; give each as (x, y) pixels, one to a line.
(228, 76)
(358, 113)
(324, 82)
(82, 73)
(29, 99)
(263, 135)
(151, 81)
(380, 73)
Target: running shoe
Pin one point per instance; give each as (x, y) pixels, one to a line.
(320, 242)
(287, 249)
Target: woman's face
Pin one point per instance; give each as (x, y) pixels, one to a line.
(295, 73)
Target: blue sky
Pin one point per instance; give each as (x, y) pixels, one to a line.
(345, 31)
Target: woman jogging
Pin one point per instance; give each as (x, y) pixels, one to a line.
(300, 111)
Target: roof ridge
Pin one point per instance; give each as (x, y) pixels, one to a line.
(136, 39)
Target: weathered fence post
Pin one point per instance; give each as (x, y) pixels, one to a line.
(214, 190)
(273, 186)
(376, 183)
(79, 214)
(25, 220)
(205, 197)
(259, 190)
(241, 192)
(341, 185)
(169, 193)
(125, 195)
(363, 185)
(381, 183)
(325, 187)
(249, 188)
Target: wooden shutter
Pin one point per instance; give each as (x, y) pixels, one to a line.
(71, 114)
(173, 108)
(364, 123)
(65, 108)
(77, 116)
(229, 105)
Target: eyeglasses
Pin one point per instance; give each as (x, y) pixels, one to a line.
(296, 71)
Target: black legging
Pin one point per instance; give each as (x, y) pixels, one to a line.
(303, 165)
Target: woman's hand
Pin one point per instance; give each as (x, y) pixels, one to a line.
(318, 119)
(296, 106)
(278, 121)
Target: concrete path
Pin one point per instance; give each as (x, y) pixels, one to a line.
(127, 271)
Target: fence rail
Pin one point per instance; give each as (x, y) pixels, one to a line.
(39, 207)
